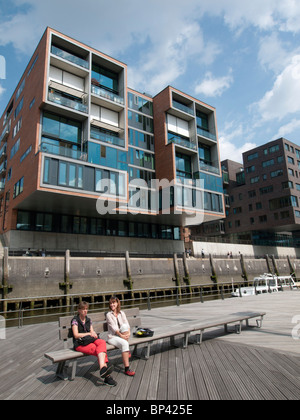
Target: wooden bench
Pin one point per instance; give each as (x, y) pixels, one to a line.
(236, 319)
(134, 320)
(65, 334)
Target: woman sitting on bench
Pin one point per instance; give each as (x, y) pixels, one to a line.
(119, 331)
(86, 341)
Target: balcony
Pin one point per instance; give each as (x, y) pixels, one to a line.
(209, 167)
(3, 152)
(106, 136)
(67, 100)
(3, 168)
(69, 57)
(5, 131)
(181, 142)
(207, 134)
(54, 147)
(182, 107)
(106, 93)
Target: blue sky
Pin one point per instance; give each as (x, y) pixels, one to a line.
(239, 56)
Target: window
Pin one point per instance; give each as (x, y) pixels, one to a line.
(115, 180)
(32, 103)
(252, 193)
(17, 127)
(291, 160)
(19, 107)
(263, 219)
(274, 149)
(15, 148)
(266, 190)
(18, 187)
(202, 120)
(61, 128)
(25, 154)
(268, 163)
(254, 180)
(32, 65)
(20, 90)
(250, 169)
(70, 175)
(274, 174)
(105, 79)
(252, 156)
(183, 166)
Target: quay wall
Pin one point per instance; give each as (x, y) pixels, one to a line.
(25, 277)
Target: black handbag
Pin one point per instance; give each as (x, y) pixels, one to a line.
(143, 332)
(85, 341)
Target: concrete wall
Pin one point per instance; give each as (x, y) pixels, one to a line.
(220, 249)
(59, 242)
(38, 276)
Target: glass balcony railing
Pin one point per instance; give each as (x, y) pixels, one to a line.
(183, 107)
(104, 93)
(3, 167)
(208, 167)
(206, 134)
(182, 142)
(61, 99)
(69, 57)
(5, 131)
(96, 134)
(54, 147)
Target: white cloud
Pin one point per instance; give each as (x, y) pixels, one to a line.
(274, 54)
(214, 86)
(283, 98)
(288, 128)
(2, 90)
(264, 15)
(232, 151)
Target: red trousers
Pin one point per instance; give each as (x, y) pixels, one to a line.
(93, 349)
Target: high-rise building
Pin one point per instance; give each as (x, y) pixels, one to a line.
(262, 197)
(84, 156)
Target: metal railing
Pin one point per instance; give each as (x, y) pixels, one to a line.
(144, 298)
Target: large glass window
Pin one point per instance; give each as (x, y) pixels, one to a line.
(202, 120)
(61, 128)
(183, 166)
(105, 79)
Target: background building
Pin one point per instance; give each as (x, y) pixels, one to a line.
(262, 197)
(72, 123)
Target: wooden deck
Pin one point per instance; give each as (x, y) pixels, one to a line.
(258, 364)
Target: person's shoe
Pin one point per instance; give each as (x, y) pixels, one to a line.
(129, 372)
(109, 381)
(106, 370)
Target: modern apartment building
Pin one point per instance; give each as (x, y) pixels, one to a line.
(262, 196)
(80, 150)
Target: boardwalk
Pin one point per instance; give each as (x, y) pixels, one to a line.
(258, 364)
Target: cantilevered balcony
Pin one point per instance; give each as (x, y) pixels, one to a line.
(183, 107)
(5, 131)
(207, 134)
(67, 100)
(59, 148)
(69, 57)
(106, 93)
(209, 166)
(180, 141)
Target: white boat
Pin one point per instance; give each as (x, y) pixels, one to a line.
(264, 284)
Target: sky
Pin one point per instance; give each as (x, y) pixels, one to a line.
(242, 57)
